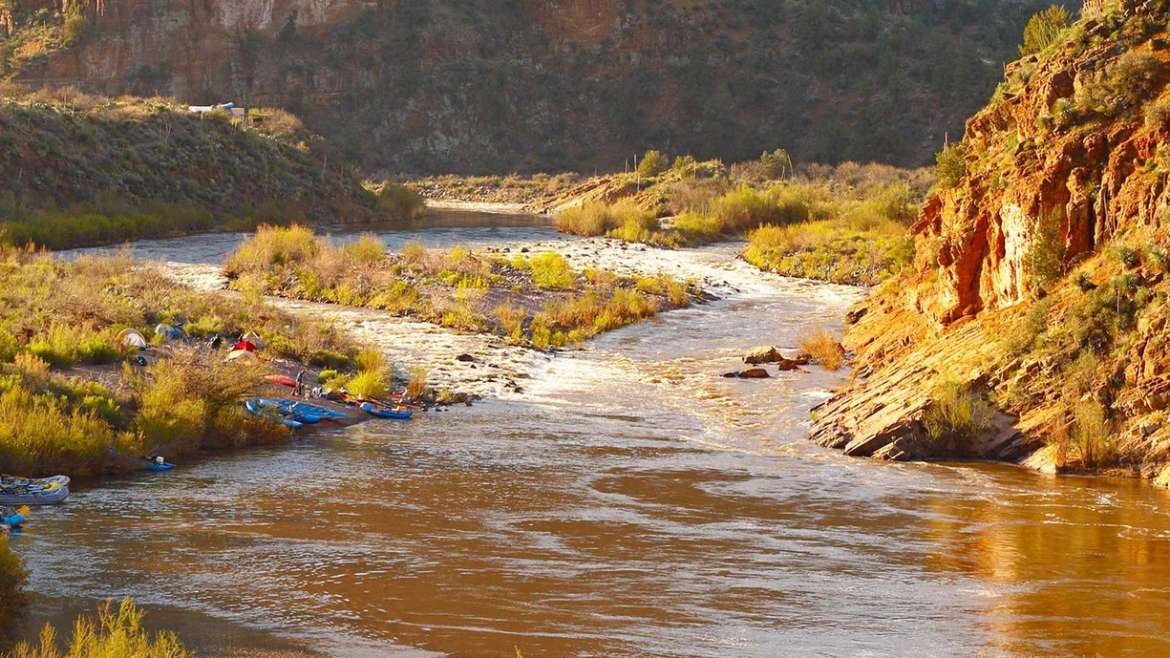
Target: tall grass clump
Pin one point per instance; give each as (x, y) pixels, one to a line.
(274, 245)
(957, 412)
(1093, 435)
(416, 385)
(116, 633)
(822, 348)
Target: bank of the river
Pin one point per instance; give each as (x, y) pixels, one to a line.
(628, 501)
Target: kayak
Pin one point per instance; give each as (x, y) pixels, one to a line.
(283, 380)
(159, 468)
(25, 491)
(386, 413)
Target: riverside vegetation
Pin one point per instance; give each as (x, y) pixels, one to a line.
(70, 403)
(843, 224)
(535, 299)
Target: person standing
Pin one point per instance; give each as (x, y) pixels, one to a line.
(299, 389)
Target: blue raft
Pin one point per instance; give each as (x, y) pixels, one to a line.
(386, 413)
(272, 409)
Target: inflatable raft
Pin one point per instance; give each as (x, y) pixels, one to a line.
(33, 491)
(272, 409)
(382, 412)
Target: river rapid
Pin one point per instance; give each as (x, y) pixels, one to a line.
(624, 499)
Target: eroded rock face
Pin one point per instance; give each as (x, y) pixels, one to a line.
(1054, 183)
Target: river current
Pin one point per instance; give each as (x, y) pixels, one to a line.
(626, 500)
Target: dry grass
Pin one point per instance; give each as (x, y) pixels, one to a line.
(823, 348)
(416, 386)
(958, 412)
(116, 633)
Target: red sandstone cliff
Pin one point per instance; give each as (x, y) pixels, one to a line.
(1040, 285)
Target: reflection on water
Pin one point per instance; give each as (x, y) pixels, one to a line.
(630, 502)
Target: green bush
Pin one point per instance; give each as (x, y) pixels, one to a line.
(1044, 29)
(652, 163)
(951, 165)
(368, 385)
(957, 412)
(1046, 255)
(776, 164)
(551, 271)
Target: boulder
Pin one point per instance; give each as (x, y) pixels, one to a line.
(465, 358)
(759, 355)
(754, 373)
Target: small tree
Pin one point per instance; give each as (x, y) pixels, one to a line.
(777, 164)
(652, 164)
(951, 165)
(1044, 29)
(1047, 254)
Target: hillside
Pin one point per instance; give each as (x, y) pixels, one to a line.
(77, 170)
(476, 86)
(1033, 325)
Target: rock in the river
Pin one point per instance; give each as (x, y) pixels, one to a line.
(751, 373)
(767, 354)
(465, 358)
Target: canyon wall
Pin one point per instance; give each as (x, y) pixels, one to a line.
(495, 86)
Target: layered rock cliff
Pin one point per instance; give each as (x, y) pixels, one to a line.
(1033, 325)
(475, 86)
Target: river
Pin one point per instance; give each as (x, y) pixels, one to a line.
(626, 500)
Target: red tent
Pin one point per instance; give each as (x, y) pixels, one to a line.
(244, 345)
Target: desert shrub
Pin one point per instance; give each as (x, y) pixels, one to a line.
(39, 432)
(1119, 85)
(1093, 435)
(1046, 254)
(396, 202)
(1157, 114)
(957, 412)
(951, 165)
(416, 384)
(273, 245)
(776, 164)
(400, 297)
(368, 385)
(685, 165)
(414, 253)
(370, 359)
(9, 346)
(831, 250)
(12, 579)
(187, 403)
(588, 219)
(1044, 29)
(742, 209)
(652, 163)
(511, 319)
(551, 271)
(824, 350)
(366, 250)
(115, 633)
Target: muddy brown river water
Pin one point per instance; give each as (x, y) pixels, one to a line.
(628, 501)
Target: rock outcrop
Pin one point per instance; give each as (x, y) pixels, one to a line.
(1040, 282)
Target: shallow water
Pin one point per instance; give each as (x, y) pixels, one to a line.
(630, 501)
